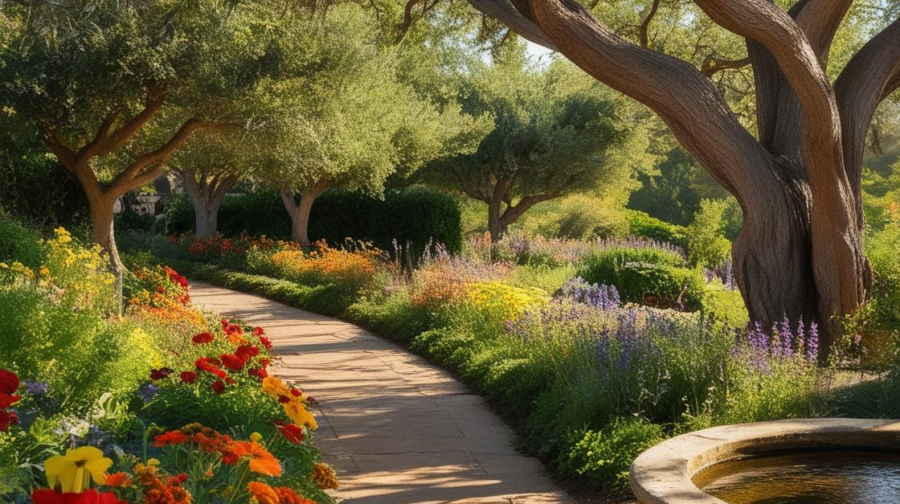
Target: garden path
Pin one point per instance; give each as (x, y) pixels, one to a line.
(397, 429)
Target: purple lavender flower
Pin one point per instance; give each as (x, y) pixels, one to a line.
(603, 297)
(36, 388)
(148, 391)
(812, 342)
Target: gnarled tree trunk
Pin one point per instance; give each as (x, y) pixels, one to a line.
(800, 251)
(300, 212)
(206, 194)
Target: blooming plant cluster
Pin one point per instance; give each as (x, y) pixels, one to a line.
(352, 267)
(161, 292)
(218, 247)
(9, 384)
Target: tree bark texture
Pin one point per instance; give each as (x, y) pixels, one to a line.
(800, 251)
(206, 193)
(300, 211)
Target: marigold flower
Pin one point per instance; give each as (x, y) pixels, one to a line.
(202, 338)
(118, 480)
(266, 342)
(188, 376)
(171, 438)
(74, 470)
(324, 476)
(275, 387)
(264, 494)
(258, 331)
(261, 461)
(246, 352)
(229, 457)
(288, 496)
(258, 372)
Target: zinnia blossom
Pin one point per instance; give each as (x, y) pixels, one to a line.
(263, 493)
(232, 362)
(261, 461)
(86, 497)
(209, 365)
(292, 433)
(171, 438)
(246, 352)
(118, 480)
(202, 338)
(74, 470)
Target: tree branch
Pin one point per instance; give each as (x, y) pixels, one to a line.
(504, 11)
(645, 24)
(871, 75)
(713, 65)
(91, 148)
(156, 97)
(820, 20)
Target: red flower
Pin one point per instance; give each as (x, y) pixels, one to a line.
(258, 372)
(218, 387)
(7, 419)
(188, 376)
(265, 362)
(246, 352)
(266, 342)
(87, 497)
(229, 457)
(229, 380)
(159, 374)
(233, 362)
(283, 399)
(258, 331)
(292, 433)
(7, 400)
(296, 393)
(312, 400)
(171, 438)
(202, 338)
(9, 382)
(210, 365)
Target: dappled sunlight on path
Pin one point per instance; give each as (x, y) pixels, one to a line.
(397, 429)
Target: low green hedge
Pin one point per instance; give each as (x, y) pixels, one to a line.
(415, 216)
(642, 224)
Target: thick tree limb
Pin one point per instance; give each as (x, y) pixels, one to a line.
(820, 20)
(504, 11)
(870, 76)
(156, 97)
(92, 148)
(644, 30)
(687, 101)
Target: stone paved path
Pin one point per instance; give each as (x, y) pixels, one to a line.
(397, 429)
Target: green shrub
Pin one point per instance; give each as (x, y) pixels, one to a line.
(414, 216)
(604, 457)
(706, 244)
(647, 276)
(882, 249)
(642, 224)
(726, 306)
(19, 244)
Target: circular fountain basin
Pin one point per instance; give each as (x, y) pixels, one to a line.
(669, 473)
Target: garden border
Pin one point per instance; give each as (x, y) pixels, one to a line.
(662, 474)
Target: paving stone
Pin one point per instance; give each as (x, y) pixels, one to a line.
(397, 429)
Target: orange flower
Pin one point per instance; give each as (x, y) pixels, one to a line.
(288, 496)
(263, 493)
(324, 476)
(261, 461)
(175, 437)
(118, 480)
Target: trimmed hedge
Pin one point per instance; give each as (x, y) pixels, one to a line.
(642, 224)
(414, 216)
(647, 276)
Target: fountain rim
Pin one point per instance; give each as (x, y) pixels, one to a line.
(663, 474)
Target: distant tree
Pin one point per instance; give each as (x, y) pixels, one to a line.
(550, 137)
(113, 89)
(352, 122)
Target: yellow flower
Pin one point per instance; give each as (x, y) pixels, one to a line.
(74, 470)
(299, 415)
(275, 387)
(255, 437)
(153, 462)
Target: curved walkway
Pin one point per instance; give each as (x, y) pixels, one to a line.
(397, 429)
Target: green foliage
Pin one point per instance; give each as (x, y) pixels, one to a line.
(414, 217)
(18, 243)
(706, 245)
(882, 249)
(642, 224)
(725, 305)
(646, 276)
(605, 456)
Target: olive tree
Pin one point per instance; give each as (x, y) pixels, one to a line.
(549, 138)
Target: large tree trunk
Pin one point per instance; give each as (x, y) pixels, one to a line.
(206, 195)
(301, 211)
(495, 225)
(800, 252)
(103, 234)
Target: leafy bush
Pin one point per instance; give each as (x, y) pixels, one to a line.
(642, 224)
(881, 248)
(647, 276)
(18, 243)
(706, 245)
(604, 457)
(417, 216)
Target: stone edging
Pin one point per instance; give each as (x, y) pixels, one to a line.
(662, 474)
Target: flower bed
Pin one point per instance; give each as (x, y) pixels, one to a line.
(163, 405)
